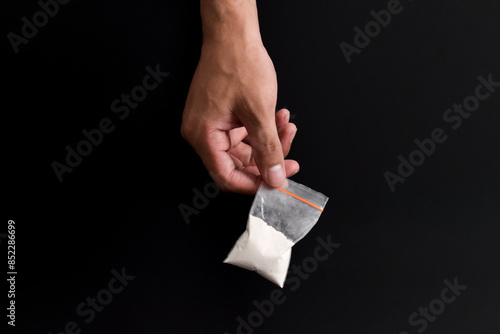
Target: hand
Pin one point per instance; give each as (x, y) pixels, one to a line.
(229, 117)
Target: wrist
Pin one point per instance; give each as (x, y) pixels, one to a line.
(230, 21)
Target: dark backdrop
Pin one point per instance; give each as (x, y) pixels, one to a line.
(118, 210)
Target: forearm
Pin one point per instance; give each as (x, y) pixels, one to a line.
(228, 20)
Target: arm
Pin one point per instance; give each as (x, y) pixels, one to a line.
(229, 117)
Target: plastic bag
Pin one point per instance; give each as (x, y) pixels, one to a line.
(278, 219)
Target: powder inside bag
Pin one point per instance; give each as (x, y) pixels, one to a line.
(263, 249)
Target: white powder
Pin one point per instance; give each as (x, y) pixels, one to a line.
(263, 249)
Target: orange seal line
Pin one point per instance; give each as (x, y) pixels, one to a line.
(300, 199)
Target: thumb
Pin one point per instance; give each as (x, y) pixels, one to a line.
(267, 152)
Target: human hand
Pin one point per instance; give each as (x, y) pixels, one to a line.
(229, 117)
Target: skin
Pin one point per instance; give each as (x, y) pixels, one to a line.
(229, 116)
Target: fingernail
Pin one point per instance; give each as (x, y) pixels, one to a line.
(292, 135)
(287, 116)
(276, 176)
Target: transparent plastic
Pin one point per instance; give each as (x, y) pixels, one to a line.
(278, 219)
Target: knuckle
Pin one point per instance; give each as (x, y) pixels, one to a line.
(268, 148)
(222, 186)
(188, 130)
(222, 182)
(185, 129)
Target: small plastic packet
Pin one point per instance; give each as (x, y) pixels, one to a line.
(278, 219)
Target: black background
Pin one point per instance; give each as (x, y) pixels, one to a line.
(119, 207)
